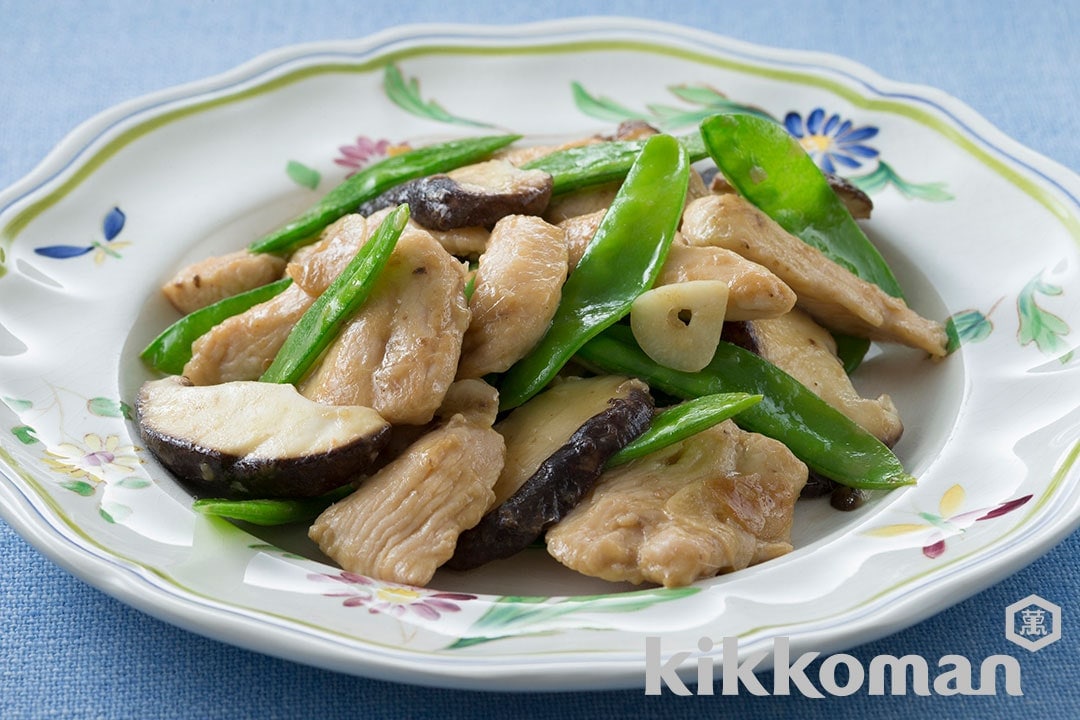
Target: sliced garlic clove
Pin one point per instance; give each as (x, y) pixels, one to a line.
(679, 325)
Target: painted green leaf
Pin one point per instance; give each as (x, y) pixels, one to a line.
(302, 175)
(884, 176)
(966, 327)
(664, 116)
(602, 108)
(406, 95)
(17, 405)
(700, 95)
(511, 614)
(25, 434)
(134, 483)
(79, 487)
(1038, 325)
(114, 512)
(107, 407)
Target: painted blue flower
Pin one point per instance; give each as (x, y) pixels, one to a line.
(830, 140)
(110, 228)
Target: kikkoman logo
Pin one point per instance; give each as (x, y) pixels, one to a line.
(1032, 623)
(838, 675)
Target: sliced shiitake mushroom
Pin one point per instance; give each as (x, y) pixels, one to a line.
(474, 195)
(252, 439)
(557, 445)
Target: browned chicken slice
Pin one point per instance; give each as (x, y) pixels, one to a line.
(835, 297)
(523, 155)
(579, 231)
(400, 352)
(753, 290)
(581, 226)
(315, 267)
(403, 522)
(462, 242)
(580, 202)
(806, 351)
(243, 346)
(219, 277)
(517, 289)
(720, 501)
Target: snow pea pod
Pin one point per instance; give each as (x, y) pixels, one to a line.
(676, 423)
(171, 350)
(826, 440)
(578, 167)
(319, 325)
(622, 261)
(268, 512)
(771, 169)
(374, 180)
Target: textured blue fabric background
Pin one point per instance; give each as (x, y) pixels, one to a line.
(69, 651)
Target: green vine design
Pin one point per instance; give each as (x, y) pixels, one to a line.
(510, 614)
(1038, 325)
(708, 102)
(405, 93)
(883, 176)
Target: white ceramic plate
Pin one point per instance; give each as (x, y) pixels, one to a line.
(977, 227)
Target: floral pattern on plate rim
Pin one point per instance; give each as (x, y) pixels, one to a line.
(832, 141)
(974, 324)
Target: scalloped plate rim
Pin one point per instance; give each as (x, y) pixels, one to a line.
(201, 617)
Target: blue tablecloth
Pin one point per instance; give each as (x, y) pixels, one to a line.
(68, 650)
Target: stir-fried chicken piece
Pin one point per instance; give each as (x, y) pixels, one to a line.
(404, 521)
(579, 231)
(315, 268)
(243, 346)
(524, 155)
(580, 214)
(219, 277)
(721, 500)
(753, 291)
(462, 241)
(806, 351)
(580, 202)
(834, 296)
(517, 289)
(399, 353)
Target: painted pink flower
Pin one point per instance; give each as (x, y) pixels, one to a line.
(392, 599)
(362, 153)
(947, 521)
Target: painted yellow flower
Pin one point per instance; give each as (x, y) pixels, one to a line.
(95, 459)
(947, 521)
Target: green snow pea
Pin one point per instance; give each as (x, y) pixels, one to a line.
(258, 511)
(822, 437)
(770, 169)
(578, 167)
(620, 263)
(171, 350)
(679, 422)
(376, 179)
(319, 325)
